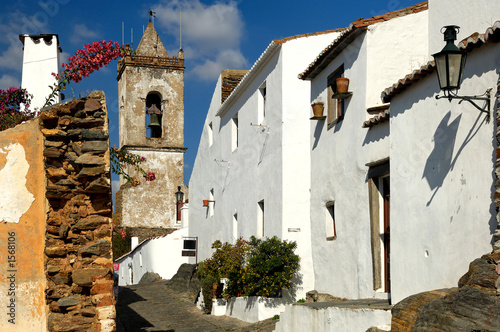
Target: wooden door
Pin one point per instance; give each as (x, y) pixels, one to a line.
(387, 233)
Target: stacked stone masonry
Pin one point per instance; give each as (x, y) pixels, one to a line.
(78, 254)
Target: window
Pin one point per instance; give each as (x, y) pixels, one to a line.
(262, 103)
(153, 115)
(235, 227)
(190, 247)
(331, 230)
(260, 219)
(336, 107)
(210, 134)
(211, 203)
(379, 196)
(234, 133)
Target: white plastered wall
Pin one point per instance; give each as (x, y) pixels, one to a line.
(395, 48)
(471, 16)
(442, 159)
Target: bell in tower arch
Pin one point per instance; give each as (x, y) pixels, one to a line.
(154, 121)
(154, 115)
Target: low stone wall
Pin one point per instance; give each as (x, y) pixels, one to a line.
(78, 254)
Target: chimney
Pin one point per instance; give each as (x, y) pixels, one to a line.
(40, 60)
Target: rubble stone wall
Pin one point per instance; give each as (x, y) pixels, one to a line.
(78, 251)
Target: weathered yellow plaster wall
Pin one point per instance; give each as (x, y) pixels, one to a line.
(22, 229)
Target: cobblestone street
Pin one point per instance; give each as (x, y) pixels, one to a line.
(156, 307)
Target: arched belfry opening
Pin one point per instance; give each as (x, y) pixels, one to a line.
(153, 115)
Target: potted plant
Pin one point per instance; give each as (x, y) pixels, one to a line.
(342, 84)
(205, 202)
(317, 109)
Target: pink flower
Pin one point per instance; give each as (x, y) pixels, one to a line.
(150, 176)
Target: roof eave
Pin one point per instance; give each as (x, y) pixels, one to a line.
(245, 81)
(342, 42)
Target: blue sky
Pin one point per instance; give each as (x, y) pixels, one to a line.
(216, 35)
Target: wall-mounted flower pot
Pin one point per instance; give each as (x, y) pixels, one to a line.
(205, 202)
(317, 109)
(342, 84)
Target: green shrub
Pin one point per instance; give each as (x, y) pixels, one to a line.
(207, 290)
(255, 268)
(271, 266)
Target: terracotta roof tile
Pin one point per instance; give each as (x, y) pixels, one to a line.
(492, 35)
(350, 33)
(379, 118)
(230, 80)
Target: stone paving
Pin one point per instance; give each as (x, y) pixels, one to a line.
(156, 307)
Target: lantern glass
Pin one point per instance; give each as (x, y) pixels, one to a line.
(179, 195)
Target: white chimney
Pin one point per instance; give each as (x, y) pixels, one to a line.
(40, 60)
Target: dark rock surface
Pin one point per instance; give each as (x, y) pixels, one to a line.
(474, 306)
(185, 280)
(404, 313)
(149, 277)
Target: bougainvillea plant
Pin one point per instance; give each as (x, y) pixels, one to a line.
(11, 113)
(85, 62)
(121, 157)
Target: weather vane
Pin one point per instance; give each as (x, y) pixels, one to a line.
(151, 15)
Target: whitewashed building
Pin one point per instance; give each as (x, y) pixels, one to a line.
(252, 167)
(407, 165)
(349, 162)
(162, 255)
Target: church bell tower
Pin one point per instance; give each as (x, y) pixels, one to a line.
(151, 120)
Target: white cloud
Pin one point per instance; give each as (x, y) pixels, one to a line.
(227, 59)
(12, 57)
(16, 23)
(63, 57)
(211, 34)
(6, 81)
(83, 35)
(12, 25)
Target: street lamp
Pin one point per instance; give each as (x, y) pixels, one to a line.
(179, 197)
(450, 64)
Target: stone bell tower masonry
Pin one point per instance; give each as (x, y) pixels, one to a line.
(151, 120)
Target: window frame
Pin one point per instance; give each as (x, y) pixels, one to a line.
(262, 104)
(234, 132)
(260, 219)
(330, 224)
(335, 107)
